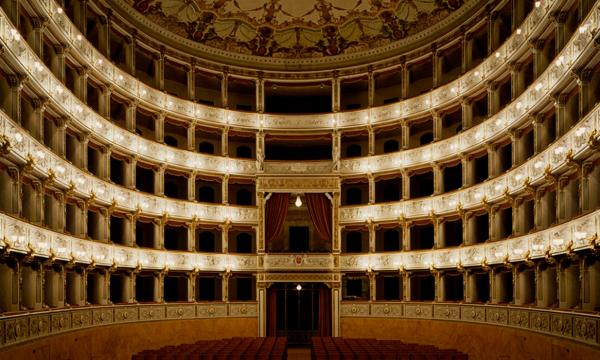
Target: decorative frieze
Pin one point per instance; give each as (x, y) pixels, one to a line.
(81, 318)
(183, 311)
(449, 312)
(151, 313)
(299, 277)
(18, 328)
(102, 316)
(243, 310)
(211, 310)
(297, 184)
(298, 261)
(385, 310)
(497, 316)
(578, 327)
(126, 314)
(355, 309)
(418, 311)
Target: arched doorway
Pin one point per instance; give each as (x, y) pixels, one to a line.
(299, 311)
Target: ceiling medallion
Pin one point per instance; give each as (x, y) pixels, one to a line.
(295, 29)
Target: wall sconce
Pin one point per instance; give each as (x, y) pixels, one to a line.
(298, 201)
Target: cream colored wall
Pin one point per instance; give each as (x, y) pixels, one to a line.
(122, 341)
(480, 342)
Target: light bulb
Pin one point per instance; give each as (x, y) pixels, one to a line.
(298, 287)
(298, 202)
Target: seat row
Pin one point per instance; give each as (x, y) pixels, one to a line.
(269, 348)
(327, 348)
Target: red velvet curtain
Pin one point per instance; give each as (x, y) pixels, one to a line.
(324, 311)
(319, 209)
(272, 311)
(275, 212)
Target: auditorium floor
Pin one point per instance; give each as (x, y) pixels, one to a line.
(297, 353)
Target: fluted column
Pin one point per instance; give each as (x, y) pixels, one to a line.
(130, 44)
(104, 35)
(546, 284)
(586, 92)
(524, 285)
(372, 235)
(405, 72)
(12, 9)
(159, 231)
(159, 69)
(36, 121)
(129, 172)
(563, 117)
(191, 136)
(190, 72)
(81, 158)
(192, 186)
(12, 104)
(590, 279)
(225, 189)
(159, 126)
(560, 37)
(517, 149)
(438, 178)
(493, 32)
(335, 149)
(405, 134)
(39, 26)
(31, 286)
(54, 287)
(80, 84)
(569, 284)
(439, 286)
(469, 230)
(80, 15)
(540, 62)
(335, 93)
(371, 87)
(104, 101)
(439, 236)
(59, 62)
(335, 214)
(159, 181)
(541, 133)
(260, 150)
(493, 98)
(104, 165)
(406, 286)
(225, 141)
(225, 285)
(405, 184)
(492, 152)
(517, 80)
(467, 52)
(437, 125)
(130, 115)
(436, 63)
(371, 140)
(225, 88)
(260, 93)
(470, 287)
(568, 198)
(468, 170)
(590, 186)
(372, 285)
(466, 105)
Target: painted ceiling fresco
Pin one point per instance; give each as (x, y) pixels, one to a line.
(295, 28)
